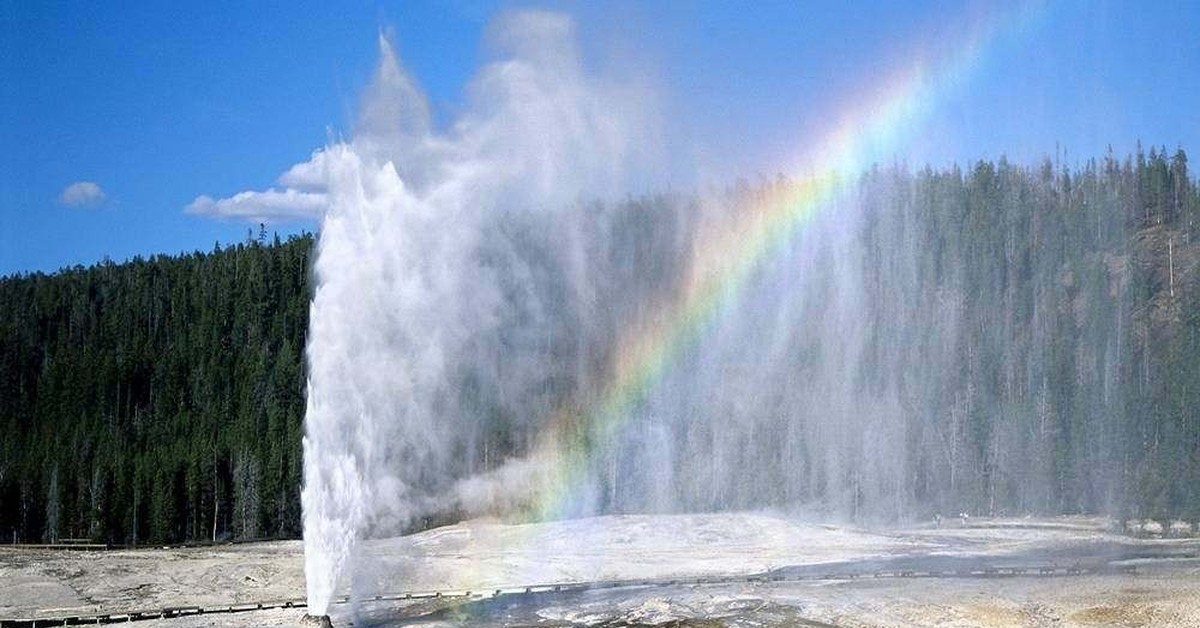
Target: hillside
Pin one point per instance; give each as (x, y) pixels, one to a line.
(1034, 331)
(158, 399)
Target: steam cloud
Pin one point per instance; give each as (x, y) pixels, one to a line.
(474, 288)
(476, 285)
(421, 273)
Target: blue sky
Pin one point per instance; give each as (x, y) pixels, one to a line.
(157, 105)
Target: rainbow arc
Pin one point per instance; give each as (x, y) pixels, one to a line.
(873, 131)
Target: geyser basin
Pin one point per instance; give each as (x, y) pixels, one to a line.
(661, 548)
(485, 556)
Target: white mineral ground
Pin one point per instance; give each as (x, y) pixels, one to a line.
(483, 555)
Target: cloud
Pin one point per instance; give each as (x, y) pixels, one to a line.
(82, 194)
(303, 197)
(312, 175)
(268, 206)
(445, 258)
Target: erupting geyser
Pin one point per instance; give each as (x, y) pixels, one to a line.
(428, 325)
(495, 330)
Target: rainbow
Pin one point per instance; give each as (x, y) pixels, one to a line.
(884, 121)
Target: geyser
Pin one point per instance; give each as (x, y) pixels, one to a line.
(495, 330)
(433, 330)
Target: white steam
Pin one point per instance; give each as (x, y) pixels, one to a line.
(479, 283)
(474, 286)
(410, 276)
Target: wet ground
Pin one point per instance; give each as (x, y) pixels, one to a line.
(1163, 599)
(729, 570)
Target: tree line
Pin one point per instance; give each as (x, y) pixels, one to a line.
(1038, 326)
(1069, 379)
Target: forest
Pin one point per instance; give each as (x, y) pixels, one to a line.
(1071, 382)
(155, 400)
(161, 400)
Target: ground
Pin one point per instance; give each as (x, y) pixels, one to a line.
(1086, 580)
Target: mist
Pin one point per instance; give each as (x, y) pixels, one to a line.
(482, 287)
(449, 274)
(475, 287)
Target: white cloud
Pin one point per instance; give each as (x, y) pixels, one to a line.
(312, 175)
(303, 196)
(268, 206)
(82, 194)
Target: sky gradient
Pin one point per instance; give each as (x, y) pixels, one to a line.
(114, 119)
